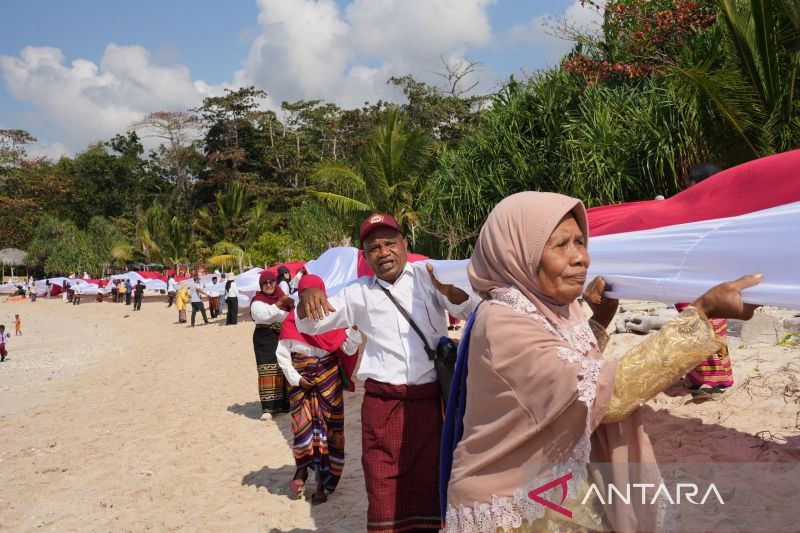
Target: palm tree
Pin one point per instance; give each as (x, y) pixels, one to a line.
(164, 236)
(227, 255)
(235, 217)
(388, 177)
(754, 87)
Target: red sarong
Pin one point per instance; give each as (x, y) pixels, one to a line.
(401, 430)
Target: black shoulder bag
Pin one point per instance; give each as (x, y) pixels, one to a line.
(443, 357)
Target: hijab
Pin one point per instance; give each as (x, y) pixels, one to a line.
(510, 247)
(261, 296)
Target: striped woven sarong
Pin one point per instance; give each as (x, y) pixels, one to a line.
(716, 370)
(401, 429)
(272, 389)
(318, 418)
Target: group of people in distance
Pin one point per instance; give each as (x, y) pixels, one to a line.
(190, 293)
(530, 388)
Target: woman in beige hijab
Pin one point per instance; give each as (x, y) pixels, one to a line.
(541, 401)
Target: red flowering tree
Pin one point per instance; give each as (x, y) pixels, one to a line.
(639, 37)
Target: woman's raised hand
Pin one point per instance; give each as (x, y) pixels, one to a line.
(725, 300)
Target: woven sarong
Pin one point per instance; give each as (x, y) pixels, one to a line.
(318, 418)
(716, 369)
(271, 383)
(401, 429)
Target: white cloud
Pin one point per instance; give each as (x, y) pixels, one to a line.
(301, 49)
(84, 101)
(50, 150)
(541, 31)
(310, 49)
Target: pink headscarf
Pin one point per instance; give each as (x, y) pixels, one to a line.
(510, 246)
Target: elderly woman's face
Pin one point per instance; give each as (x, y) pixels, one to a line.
(565, 259)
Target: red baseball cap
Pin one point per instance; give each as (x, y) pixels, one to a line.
(376, 221)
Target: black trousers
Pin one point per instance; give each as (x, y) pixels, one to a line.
(198, 306)
(233, 310)
(128, 298)
(137, 302)
(170, 298)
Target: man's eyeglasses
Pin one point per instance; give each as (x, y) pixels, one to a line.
(269, 282)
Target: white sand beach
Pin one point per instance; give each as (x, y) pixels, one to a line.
(117, 420)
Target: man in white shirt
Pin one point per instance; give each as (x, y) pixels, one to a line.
(401, 415)
(172, 289)
(195, 290)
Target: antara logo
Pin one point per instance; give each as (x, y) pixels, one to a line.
(683, 492)
(562, 482)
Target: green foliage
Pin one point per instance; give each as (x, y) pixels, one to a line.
(235, 217)
(388, 177)
(272, 248)
(60, 248)
(750, 75)
(317, 228)
(110, 179)
(447, 114)
(167, 238)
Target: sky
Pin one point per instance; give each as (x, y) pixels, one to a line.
(73, 73)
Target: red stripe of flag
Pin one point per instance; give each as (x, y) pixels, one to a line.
(753, 186)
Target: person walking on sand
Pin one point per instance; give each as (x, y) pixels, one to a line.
(316, 368)
(182, 299)
(213, 299)
(401, 414)
(232, 299)
(269, 308)
(172, 289)
(121, 291)
(3, 339)
(17, 325)
(196, 290)
(138, 293)
(128, 291)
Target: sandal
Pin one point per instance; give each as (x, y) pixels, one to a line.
(296, 487)
(298, 484)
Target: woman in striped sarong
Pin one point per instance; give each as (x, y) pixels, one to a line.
(715, 373)
(268, 309)
(317, 367)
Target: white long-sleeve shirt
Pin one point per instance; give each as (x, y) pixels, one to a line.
(171, 285)
(264, 313)
(286, 347)
(232, 292)
(394, 353)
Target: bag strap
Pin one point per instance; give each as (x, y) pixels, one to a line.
(431, 353)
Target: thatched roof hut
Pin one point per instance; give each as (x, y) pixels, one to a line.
(13, 256)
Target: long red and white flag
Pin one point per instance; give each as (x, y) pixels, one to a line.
(741, 221)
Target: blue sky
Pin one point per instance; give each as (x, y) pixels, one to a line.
(91, 67)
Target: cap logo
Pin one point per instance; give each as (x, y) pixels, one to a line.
(375, 219)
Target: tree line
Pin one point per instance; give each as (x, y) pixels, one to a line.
(666, 85)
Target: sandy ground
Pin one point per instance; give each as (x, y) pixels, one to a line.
(114, 420)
